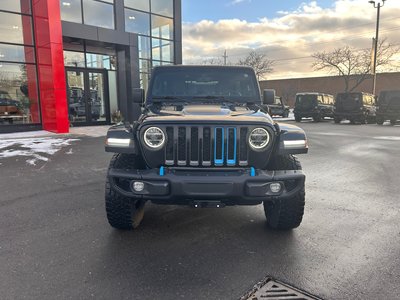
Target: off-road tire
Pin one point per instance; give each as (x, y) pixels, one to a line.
(297, 119)
(336, 120)
(285, 114)
(122, 212)
(380, 120)
(392, 122)
(288, 213)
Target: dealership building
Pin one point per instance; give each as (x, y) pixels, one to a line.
(77, 62)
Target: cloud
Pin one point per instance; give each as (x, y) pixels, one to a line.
(235, 2)
(293, 36)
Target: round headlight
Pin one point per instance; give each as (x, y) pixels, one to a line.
(154, 137)
(259, 138)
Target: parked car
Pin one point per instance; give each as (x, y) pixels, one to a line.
(278, 108)
(9, 109)
(315, 105)
(357, 107)
(203, 140)
(388, 107)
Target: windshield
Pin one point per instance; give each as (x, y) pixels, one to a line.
(202, 83)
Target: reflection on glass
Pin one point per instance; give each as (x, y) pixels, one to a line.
(71, 10)
(15, 29)
(144, 47)
(17, 53)
(162, 27)
(98, 14)
(137, 22)
(138, 4)
(163, 7)
(76, 96)
(20, 6)
(96, 101)
(74, 59)
(144, 66)
(163, 50)
(144, 81)
(100, 61)
(113, 95)
(19, 102)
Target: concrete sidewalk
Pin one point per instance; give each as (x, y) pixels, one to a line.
(92, 131)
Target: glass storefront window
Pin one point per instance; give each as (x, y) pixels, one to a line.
(163, 7)
(13, 53)
(144, 47)
(100, 61)
(137, 22)
(144, 65)
(98, 14)
(163, 50)
(162, 27)
(138, 4)
(74, 59)
(71, 10)
(144, 80)
(19, 6)
(15, 29)
(18, 94)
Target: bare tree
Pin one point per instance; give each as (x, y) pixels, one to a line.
(354, 66)
(259, 62)
(212, 61)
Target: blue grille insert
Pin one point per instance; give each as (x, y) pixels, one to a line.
(231, 146)
(219, 142)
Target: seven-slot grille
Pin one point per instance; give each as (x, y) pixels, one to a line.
(206, 146)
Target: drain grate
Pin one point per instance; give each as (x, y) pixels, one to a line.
(270, 289)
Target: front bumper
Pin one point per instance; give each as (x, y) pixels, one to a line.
(238, 186)
(307, 114)
(390, 115)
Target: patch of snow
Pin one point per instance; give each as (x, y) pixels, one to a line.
(34, 148)
(388, 138)
(92, 131)
(69, 152)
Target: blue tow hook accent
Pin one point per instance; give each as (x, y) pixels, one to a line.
(252, 172)
(162, 171)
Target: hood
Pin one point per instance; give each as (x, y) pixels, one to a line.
(212, 113)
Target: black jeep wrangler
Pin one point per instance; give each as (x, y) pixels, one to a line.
(202, 140)
(357, 107)
(278, 108)
(388, 107)
(315, 105)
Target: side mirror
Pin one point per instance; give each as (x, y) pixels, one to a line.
(138, 96)
(268, 97)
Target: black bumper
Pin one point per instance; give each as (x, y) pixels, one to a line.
(186, 185)
(349, 115)
(307, 114)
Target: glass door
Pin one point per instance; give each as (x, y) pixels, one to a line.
(87, 94)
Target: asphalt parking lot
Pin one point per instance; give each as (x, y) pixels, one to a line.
(56, 242)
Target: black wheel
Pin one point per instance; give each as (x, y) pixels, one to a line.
(297, 118)
(285, 114)
(352, 121)
(288, 213)
(392, 122)
(123, 212)
(379, 120)
(336, 120)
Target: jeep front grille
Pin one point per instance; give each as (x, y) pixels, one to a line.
(206, 146)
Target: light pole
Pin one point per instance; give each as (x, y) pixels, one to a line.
(377, 5)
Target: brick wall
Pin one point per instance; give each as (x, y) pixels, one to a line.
(287, 88)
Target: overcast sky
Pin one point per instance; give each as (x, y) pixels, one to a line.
(288, 32)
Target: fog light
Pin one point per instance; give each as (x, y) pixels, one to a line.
(138, 186)
(275, 187)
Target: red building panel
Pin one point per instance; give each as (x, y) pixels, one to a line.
(50, 63)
